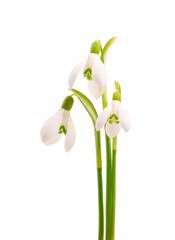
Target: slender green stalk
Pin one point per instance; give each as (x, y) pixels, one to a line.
(100, 184)
(93, 114)
(108, 174)
(114, 153)
(108, 164)
(100, 204)
(108, 187)
(105, 99)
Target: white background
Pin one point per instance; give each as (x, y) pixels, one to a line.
(46, 193)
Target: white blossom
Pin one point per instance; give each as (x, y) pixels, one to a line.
(57, 125)
(94, 71)
(115, 117)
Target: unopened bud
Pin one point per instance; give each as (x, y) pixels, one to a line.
(68, 103)
(96, 47)
(116, 96)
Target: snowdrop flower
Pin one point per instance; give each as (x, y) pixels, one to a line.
(114, 116)
(94, 71)
(60, 124)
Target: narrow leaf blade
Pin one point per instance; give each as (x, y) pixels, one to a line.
(107, 46)
(87, 104)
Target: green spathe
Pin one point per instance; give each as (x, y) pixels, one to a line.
(96, 47)
(106, 48)
(68, 103)
(117, 86)
(117, 96)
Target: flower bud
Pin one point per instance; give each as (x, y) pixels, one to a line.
(96, 47)
(116, 96)
(68, 103)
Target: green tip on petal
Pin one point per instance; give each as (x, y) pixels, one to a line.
(62, 129)
(113, 119)
(117, 96)
(88, 74)
(117, 86)
(68, 103)
(96, 47)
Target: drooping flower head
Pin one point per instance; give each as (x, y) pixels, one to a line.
(60, 124)
(114, 117)
(94, 71)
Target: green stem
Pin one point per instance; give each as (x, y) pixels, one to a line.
(114, 153)
(93, 114)
(100, 184)
(105, 99)
(108, 164)
(108, 174)
(108, 187)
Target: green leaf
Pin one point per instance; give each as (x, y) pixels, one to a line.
(107, 46)
(87, 104)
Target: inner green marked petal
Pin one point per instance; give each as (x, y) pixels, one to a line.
(62, 129)
(88, 73)
(113, 119)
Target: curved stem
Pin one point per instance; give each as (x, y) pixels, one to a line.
(114, 153)
(100, 184)
(93, 114)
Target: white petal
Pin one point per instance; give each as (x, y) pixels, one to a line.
(102, 118)
(75, 73)
(49, 132)
(99, 73)
(94, 89)
(65, 118)
(90, 61)
(112, 129)
(124, 118)
(115, 107)
(70, 136)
